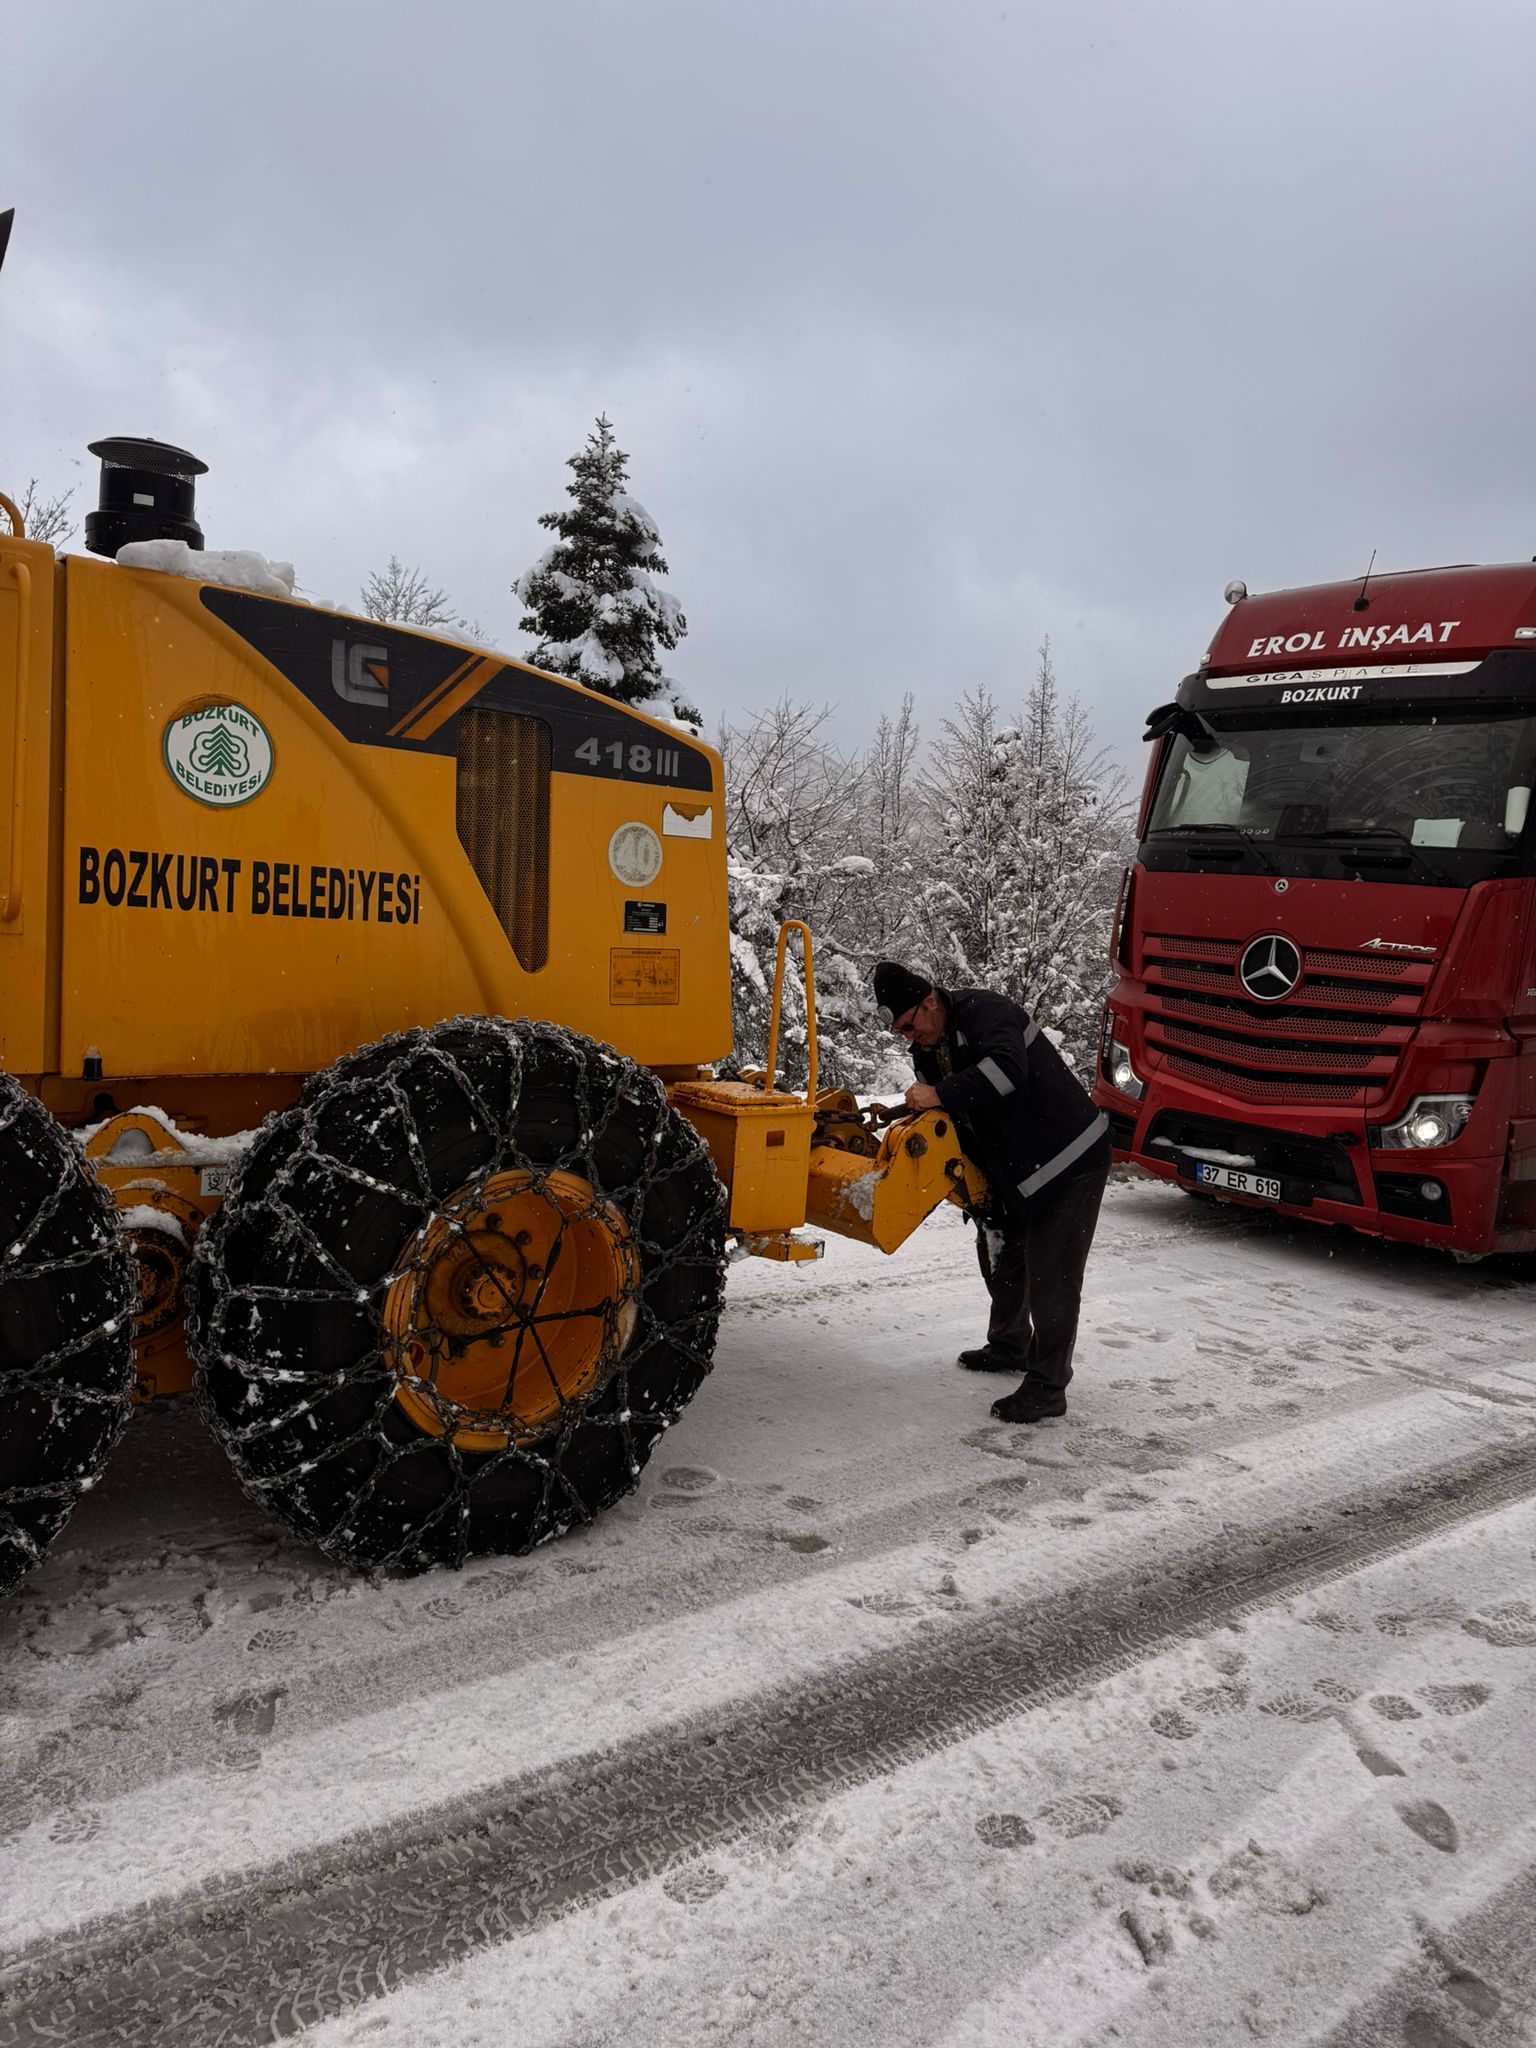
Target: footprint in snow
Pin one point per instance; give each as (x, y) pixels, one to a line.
(691, 1887)
(273, 1639)
(1216, 1699)
(1004, 1831)
(1176, 1726)
(1431, 1823)
(250, 1714)
(689, 1479)
(1408, 1621)
(883, 1603)
(241, 1756)
(1510, 1627)
(1378, 1763)
(1393, 1707)
(1333, 1623)
(80, 1824)
(1336, 1689)
(1457, 1699)
(1274, 1885)
(990, 1438)
(1295, 1706)
(1083, 1813)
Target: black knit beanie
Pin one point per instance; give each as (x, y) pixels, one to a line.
(897, 990)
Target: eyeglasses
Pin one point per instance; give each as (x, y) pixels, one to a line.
(905, 1026)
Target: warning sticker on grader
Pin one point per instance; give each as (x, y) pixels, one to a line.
(638, 975)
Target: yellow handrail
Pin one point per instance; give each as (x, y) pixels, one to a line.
(18, 527)
(10, 901)
(793, 924)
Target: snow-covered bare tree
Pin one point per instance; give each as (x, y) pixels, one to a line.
(403, 597)
(592, 599)
(793, 833)
(890, 830)
(46, 518)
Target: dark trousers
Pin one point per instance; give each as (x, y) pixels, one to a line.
(1034, 1274)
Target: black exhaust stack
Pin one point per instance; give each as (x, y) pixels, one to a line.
(148, 492)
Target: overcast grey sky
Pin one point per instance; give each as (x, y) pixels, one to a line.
(930, 328)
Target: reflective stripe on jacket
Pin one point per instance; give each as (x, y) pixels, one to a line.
(1019, 1110)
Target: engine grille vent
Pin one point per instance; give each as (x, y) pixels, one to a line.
(503, 822)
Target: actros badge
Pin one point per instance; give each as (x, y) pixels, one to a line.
(220, 755)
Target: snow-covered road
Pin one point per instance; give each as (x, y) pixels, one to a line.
(1204, 1714)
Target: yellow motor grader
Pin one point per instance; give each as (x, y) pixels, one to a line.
(360, 997)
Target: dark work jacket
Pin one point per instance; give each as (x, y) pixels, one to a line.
(1019, 1111)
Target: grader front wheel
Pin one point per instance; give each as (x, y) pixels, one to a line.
(67, 1301)
(509, 1305)
(457, 1292)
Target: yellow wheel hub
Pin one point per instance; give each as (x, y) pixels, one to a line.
(514, 1301)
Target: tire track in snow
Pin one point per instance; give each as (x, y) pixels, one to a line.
(507, 1622)
(263, 1956)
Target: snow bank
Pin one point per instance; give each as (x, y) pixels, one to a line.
(235, 568)
(143, 1217)
(1209, 1154)
(186, 1148)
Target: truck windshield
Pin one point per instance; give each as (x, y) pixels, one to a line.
(1438, 796)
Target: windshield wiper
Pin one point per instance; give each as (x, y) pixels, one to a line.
(1175, 831)
(1346, 841)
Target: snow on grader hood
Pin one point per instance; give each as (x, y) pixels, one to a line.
(421, 957)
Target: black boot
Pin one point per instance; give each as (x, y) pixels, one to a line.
(1031, 1402)
(987, 1360)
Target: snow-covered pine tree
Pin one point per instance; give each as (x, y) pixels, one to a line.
(1027, 834)
(592, 599)
(1072, 842)
(972, 827)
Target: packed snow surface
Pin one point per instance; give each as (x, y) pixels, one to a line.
(1201, 1715)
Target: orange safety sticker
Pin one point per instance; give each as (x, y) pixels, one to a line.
(637, 974)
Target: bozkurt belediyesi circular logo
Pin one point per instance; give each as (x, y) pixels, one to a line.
(220, 755)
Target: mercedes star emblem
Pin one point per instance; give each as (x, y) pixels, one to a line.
(1270, 968)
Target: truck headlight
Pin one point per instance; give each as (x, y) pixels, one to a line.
(1121, 1074)
(1431, 1120)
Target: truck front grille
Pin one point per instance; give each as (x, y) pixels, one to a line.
(1336, 1038)
(502, 812)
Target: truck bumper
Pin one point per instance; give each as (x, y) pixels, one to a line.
(1327, 1172)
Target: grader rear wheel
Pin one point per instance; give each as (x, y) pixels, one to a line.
(457, 1291)
(67, 1302)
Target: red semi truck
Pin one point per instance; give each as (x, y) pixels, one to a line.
(1326, 948)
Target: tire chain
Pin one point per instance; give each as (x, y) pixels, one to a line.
(86, 1380)
(261, 1957)
(605, 1082)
